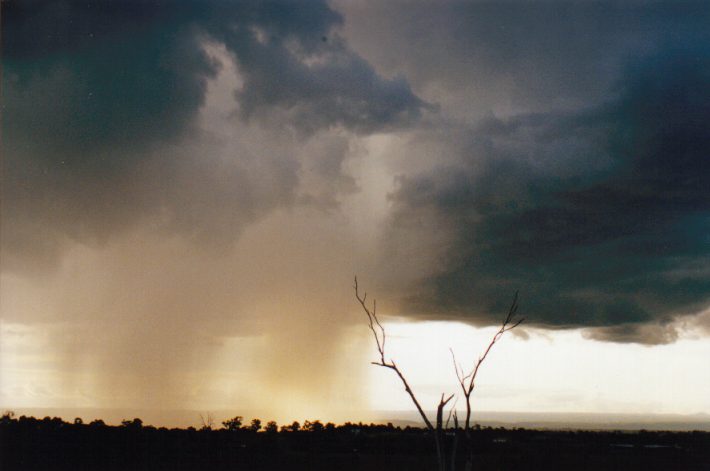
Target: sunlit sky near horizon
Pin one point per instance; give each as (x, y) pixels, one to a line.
(189, 189)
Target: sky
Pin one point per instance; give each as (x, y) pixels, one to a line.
(190, 187)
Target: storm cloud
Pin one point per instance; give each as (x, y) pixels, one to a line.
(598, 216)
(514, 57)
(105, 101)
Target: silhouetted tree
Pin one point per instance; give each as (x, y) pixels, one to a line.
(234, 423)
(294, 427)
(315, 426)
(134, 424)
(207, 422)
(378, 332)
(7, 416)
(255, 425)
(271, 427)
(466, 381)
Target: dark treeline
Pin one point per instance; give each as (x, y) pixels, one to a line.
(28, 443)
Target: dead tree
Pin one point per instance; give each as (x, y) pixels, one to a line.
(207, 421)
(467, 382)
(380, 336)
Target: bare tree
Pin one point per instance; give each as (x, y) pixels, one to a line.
(380, 339)
(207, 421)
(467, 382)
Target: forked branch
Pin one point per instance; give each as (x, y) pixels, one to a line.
(467, 382)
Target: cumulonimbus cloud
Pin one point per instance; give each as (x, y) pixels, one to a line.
(599, 216)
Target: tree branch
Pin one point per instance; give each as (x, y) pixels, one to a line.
(380, 339)
(467, 389)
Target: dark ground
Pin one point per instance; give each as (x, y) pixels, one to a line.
(52, 444)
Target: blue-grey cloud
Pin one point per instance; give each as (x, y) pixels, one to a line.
(599, 216)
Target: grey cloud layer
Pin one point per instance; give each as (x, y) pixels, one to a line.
(599, 216)
(93, 91)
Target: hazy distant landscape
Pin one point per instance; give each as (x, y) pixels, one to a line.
(552, 420)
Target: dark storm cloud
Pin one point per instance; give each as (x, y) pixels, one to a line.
(80, 78)
(121, 72)
(515, 56)
(100, 101)
(292, 62)
(599, 216)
